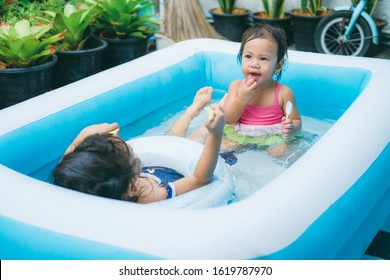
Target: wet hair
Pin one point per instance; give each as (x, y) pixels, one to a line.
(265, 31)
(101, 165)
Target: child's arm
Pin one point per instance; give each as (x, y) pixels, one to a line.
(91, 130)
(293, 124)
(204, 170)
(239, 95)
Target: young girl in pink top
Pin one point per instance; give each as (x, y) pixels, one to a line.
(255, 107)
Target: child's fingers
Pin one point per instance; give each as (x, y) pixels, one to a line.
(216, 109)
(113, 128)
(250, 83)
(210, 114)
(214, 114)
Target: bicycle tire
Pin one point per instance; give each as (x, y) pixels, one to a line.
(330, 29)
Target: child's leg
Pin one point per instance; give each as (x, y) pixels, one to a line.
(201, 99)
(279, 150)
(199, 134)
(229, 145)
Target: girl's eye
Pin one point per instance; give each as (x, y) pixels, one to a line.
(263, 58)
(247, 56)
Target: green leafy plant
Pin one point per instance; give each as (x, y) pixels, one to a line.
(227, 6)
(23, 45)
(125, 18)
(14, 11)
(276, 10)
(75, 19)
(312, 7)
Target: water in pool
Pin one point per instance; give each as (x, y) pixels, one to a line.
(255, 167)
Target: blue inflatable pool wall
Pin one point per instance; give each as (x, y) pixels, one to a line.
(328, 205)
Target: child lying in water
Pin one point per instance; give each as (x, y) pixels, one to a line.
(101, 163)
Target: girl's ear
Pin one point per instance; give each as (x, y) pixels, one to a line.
(131, 194)
(279, 66)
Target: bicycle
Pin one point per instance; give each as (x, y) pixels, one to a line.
(348, 31)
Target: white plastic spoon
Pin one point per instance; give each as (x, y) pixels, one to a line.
(289, 109)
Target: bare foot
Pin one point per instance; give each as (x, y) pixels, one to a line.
(201, 99)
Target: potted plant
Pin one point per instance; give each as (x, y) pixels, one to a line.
(230, 21)
(304, 23)
(274, 14)
(79, 54)
(12, 11)
(126, 25)
(26, 60)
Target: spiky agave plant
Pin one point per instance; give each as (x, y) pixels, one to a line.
(313, 7)
(227, 6)
(276, 10)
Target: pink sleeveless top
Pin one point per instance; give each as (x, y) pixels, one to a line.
(263, 115)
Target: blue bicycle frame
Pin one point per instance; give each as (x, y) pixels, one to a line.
(356, 12)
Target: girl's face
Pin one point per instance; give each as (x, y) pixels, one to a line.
(259, 60)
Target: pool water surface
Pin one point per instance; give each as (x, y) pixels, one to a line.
(255, 167)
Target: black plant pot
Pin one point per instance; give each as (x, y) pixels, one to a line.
(20, 84)
(121, 50)
(284, 23)
(230, 26)
(304, 30)
(75, 65)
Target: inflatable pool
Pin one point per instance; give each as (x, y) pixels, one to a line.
(327, 205)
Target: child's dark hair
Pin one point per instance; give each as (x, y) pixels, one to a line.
(265, 31)
(100, 165)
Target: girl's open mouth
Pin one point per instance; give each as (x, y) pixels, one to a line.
(255, 76)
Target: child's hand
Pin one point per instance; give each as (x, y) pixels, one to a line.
(99, 128)
(247, 90)
(215, 119)
(287, 127)
(91, 130)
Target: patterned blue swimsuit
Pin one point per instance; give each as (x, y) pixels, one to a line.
(164, 176)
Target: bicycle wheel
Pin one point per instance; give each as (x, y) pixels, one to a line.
(329, 32)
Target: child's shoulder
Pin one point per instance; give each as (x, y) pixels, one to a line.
(235, 84)
(285, 93)
(285, 90)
